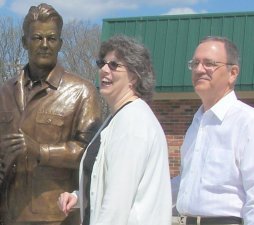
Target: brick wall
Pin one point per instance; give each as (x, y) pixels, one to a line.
(175, 117)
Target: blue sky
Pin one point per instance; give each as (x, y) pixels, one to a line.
(96, 10)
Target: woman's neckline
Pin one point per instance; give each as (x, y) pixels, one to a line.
(131, 99)
(123, 105)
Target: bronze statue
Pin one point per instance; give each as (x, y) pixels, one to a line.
(47, 117)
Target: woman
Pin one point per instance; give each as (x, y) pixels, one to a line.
(129, 182)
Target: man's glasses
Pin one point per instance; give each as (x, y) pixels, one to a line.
(113, 65)
(209, 65)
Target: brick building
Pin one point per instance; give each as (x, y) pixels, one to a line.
(172, 41)
(175, 116)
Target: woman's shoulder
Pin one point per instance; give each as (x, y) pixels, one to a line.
(134, 110)
(137, 114)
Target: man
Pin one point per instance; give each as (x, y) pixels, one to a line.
(217, 179)
(48, 116)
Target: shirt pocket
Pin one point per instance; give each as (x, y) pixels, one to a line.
(48, 128)
(220, 167)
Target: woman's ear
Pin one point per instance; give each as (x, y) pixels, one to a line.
(133, 81)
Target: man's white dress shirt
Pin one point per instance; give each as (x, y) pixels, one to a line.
(217, 177)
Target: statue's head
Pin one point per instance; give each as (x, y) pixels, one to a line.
(42, 29)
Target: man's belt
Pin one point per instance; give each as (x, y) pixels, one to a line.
(188, 220)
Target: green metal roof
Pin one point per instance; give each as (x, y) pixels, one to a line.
(173, 39)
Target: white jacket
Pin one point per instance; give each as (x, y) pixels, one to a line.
(130, 183)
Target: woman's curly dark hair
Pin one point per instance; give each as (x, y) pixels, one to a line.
(137, 59)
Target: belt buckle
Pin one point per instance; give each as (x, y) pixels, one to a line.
(182, 220)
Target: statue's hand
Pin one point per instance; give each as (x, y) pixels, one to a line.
(11, 146)
(11, 143)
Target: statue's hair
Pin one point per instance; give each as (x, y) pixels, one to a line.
(42, 13)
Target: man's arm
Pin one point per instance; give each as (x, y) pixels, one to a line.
(247, 168)
(175, 184)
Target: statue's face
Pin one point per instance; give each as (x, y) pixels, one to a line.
(43, 42)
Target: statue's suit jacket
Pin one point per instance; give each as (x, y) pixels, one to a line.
(62, 115)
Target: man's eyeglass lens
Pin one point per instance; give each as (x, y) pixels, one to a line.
(208, 65)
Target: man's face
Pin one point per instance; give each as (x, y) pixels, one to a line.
(212, 78)
(43, 42)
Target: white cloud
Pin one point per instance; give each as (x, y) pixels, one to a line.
(88, 9)
(162, 2)
(185, 10)
(76, 9)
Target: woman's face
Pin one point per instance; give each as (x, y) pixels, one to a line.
(115, 83)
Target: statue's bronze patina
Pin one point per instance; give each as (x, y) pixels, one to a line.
(47, 117)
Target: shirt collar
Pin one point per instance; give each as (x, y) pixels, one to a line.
(55, 76)
(53, 79)
(220, 108)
